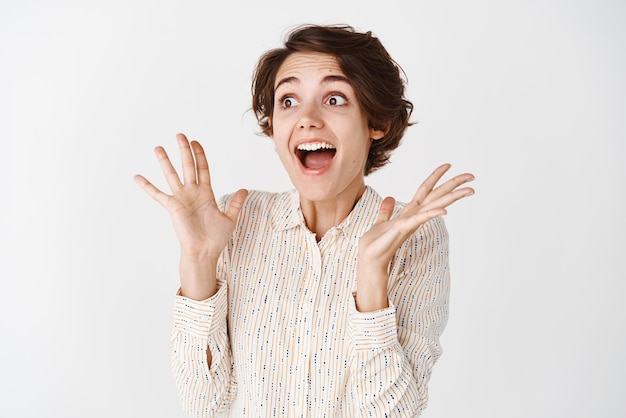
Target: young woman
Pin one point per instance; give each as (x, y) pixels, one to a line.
(326, 300)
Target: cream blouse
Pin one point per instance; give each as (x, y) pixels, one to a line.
(285, 337)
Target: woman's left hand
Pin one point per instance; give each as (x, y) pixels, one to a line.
(378, 245)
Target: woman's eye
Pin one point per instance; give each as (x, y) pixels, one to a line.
(288, 102)
(337, 100)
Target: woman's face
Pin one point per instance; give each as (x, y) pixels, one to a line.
(319, 129)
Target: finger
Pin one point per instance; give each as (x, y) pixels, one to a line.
(426, 216)
(151, 189)
(447, 187)
(189, 164)
(427, 186)
(386, 209)
(202, 165)
(169, 172)
(407, 225)
(449, 198)
(236, 203)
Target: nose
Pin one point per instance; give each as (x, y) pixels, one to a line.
(310, 116)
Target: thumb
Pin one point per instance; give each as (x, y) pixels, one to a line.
(386, 209)
(236, 203)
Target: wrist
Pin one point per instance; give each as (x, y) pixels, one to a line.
(198, 291)
(199, 254)
(371, 290)
(198, 275)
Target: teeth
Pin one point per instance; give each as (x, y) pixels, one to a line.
(314, 146)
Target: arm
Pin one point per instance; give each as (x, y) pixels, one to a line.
(396, 348)
(203, 229)
(201, 353)
(401, 301)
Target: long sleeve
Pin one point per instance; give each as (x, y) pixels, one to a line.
(395, 349)
(204, 389)
(198, 326)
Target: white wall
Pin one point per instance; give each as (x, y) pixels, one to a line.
(528, 95)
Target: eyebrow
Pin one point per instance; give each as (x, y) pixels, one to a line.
(327, 79)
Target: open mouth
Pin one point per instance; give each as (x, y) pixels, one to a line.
(315, 155)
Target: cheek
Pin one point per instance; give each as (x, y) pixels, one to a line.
(276, 128)
(280, 147)
(280, 136)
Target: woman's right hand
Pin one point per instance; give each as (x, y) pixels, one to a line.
(203, 230)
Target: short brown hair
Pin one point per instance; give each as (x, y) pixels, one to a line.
(378, 81)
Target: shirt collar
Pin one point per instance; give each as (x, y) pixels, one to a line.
(288, 214)
(363, 215)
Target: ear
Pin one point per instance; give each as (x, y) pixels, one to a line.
(376, 134)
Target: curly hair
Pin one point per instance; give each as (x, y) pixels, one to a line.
(378, 81)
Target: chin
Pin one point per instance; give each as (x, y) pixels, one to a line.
(313, 193)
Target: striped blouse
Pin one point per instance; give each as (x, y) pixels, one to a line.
(285, 337)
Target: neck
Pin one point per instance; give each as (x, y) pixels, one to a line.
(322, 215)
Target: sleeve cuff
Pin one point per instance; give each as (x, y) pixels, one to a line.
(200, 318)
(373, 330)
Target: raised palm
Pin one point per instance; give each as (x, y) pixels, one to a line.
(201, 227)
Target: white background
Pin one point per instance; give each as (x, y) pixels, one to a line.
(530, 96)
